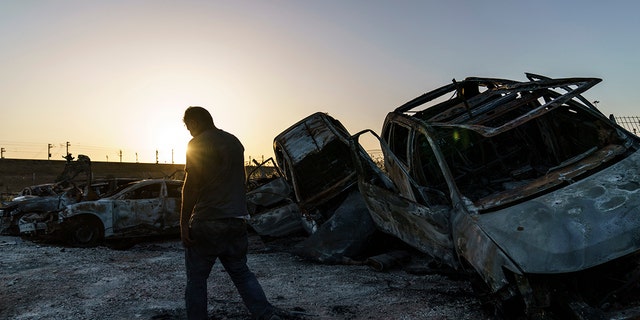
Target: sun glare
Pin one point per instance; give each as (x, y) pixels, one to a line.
(171, 143)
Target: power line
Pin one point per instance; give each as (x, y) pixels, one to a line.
(58, 150)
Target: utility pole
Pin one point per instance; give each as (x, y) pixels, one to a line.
(171, 156)
(68, 156)
(49, 145)
(157, 156)
(136, 157)
(2, 150)
(120, 156)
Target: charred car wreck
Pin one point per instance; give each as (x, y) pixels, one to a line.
(525, 186)
(315, 160)
(67, 189)
(314, 157)
(75, 184)
(138, 209)
(270, 203)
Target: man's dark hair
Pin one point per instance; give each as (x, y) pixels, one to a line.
(200, 115)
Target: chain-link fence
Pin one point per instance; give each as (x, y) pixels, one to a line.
(630, 123)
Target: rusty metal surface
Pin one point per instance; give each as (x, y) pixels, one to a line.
(12, 212)
(306, 137)
(584, 224)
(272, 209)
(314, 157)
(427, 229)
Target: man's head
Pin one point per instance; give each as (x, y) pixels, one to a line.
(197, 120)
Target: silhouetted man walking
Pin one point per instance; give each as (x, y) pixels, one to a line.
(213, 216)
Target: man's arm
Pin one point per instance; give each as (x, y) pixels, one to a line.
(189, 194)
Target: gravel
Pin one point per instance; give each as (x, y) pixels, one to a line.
(146, 281)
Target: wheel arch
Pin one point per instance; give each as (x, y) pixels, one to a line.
(84, 229)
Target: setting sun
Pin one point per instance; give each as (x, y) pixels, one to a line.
(171, 143)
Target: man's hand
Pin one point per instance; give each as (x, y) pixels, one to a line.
(189, 191)
(186, 238)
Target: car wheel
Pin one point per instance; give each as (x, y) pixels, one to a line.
(86, 232)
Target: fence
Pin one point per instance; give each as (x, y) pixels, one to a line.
(630, 123)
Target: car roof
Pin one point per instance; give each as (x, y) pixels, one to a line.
(486, 105)
(141, 183)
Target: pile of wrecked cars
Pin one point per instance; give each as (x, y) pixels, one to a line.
(314, 192)
(67, 189)
(143, 208)
(525, 186)
(84, 211)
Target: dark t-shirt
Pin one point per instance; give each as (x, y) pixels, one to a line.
(215, 160)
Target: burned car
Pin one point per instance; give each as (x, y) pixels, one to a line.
(524, 186)
(139, 209)
(11, 212)
(315, 159)
(270, 202)
(51, 197)
(40, 190)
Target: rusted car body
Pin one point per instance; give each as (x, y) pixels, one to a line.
(42, 199)
(314, 157)
(44, 205)
(271, 205)
(524, 185)
(142, 208)
(40, 190)
(13, 211)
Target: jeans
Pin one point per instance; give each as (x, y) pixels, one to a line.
(227, 240)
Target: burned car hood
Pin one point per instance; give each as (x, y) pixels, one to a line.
(88, 206)
(582, 225)
(35, 204)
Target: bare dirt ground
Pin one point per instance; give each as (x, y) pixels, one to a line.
(49, 281)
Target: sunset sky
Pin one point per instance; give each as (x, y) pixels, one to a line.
(111, 76)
